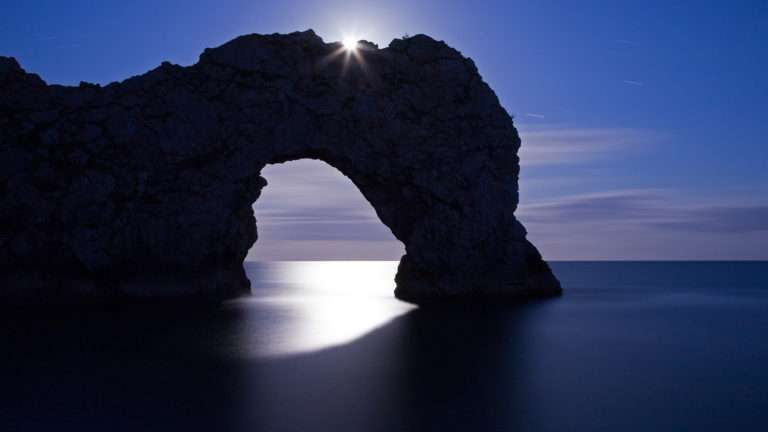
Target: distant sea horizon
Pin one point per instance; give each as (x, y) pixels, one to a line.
(547, 260)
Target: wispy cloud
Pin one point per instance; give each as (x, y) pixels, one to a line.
(535, 115)
(725, 219)
(652, 209)
(623, 206)
(633, 82)
(626, 42)
(646, 225)
(557, 145)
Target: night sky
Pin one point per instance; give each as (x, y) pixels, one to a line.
(644, 124)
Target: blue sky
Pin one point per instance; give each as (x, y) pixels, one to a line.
(644, 124)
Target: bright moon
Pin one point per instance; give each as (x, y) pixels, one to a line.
(350, 43)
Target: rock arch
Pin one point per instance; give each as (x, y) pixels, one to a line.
(145, 187)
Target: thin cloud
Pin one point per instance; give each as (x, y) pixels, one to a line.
(557, 145)
(724, 219)
(626, 42)
(326, 230)
(535, 115)
(624, 206)
(634, 83)
(647, 209)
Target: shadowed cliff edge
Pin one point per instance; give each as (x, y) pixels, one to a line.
(143, 189)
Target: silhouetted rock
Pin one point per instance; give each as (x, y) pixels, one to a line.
(145, 187)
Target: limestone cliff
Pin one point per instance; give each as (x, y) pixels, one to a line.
(145, 187)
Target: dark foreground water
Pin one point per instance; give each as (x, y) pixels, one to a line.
(324, 347)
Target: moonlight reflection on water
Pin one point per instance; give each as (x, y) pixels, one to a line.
(662, 346)
(313, 305)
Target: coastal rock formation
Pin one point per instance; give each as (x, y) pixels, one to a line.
(144, 188)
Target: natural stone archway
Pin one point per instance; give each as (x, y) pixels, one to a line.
(145, 187)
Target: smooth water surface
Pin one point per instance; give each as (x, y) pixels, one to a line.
(324, 346)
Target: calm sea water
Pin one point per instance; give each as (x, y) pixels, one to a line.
(323, 346)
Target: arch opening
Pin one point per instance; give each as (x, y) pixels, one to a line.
(311, 211)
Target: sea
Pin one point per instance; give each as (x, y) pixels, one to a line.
(324, 346)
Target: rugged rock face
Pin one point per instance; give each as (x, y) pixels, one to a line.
(145, 187)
